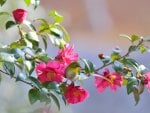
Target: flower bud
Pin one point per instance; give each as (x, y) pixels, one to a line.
(19, 15)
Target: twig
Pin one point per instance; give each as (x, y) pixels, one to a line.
(124, 56)
(26, 82)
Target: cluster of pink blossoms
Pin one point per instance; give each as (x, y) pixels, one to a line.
(54, 71)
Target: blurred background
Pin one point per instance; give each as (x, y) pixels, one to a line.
(94, 26)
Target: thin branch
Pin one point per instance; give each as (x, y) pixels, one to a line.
(26, 82)
(124, 56)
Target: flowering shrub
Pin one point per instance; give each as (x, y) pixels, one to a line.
(52, 78)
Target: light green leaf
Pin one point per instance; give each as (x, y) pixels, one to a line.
(134, 38)
(4, 14)
(10, 24)
(28, 2)
(57, 17)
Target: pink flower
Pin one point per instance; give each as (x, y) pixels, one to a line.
(19, 15)
(75, 94)
(52, 71)
(147, 80)
(67, 55)
(113, 80)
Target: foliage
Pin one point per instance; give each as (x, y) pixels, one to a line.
(52, 78)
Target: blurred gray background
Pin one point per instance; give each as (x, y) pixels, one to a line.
(94, 26)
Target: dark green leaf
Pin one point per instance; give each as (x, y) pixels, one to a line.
(33, 95)
(130, 62)
(35, 82)
(44, 58)
(53, 86)
(2, 2)
(9, 68)
(130, 87)
(44, 97)
(55, 100)
(132, 48)
(89, 67)
(10, 24)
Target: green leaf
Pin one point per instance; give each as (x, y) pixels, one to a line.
(130, 62)
(33, 95)
(33, 40)
(132, 48)
(136, 95)
(35, 82)
(10, 24)
(44, 58)
(57, 17)
(55, 100)
(6, 57)
(44, 97)
(89, 67)
(130, 87)
(66, 36)
(29, 25)
(2, 2)
(118, 66)
(115, 56)
(30, 65)
(143, 49)
(4, 13)
(44, 41)
(134, 38)
(9, 68)
(53, 86)
(28, 2)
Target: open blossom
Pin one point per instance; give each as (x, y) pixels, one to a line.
(52, 71)
(147, 80)
(75, 94)
(19, 15)
(113, 80)
(67, 55)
